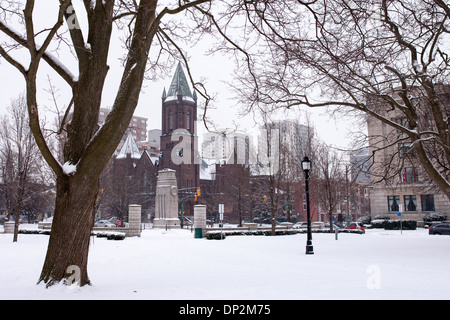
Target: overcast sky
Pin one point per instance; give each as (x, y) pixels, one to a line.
(215, 70)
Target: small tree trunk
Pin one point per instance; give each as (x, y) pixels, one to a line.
(20, 194)
(16, 224)
(71, 229)
(330, 215)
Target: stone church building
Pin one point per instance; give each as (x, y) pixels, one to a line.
(131, 175)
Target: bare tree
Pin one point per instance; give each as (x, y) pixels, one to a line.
(330, 180)
(87, 147)
(18, 157)
(363, 56)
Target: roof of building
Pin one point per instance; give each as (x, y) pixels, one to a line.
(179, 86)
(129, 148)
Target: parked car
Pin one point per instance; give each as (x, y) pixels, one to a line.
(118, 223)
(317, 225)
(440, 228)
(335, 227)
(104, 224)
(301, 225)
(356, 225)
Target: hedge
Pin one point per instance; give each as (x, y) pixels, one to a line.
(107, 235)
(216, 235)
(434, 217)
(378, 223)
(111, 235)
(34, 231)
(404, 224)
(394, 224)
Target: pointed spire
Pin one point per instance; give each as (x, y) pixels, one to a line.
(194, 95)
(164, 95)
(129, 148)
(179, 85)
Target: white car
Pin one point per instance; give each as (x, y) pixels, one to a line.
(104, 224)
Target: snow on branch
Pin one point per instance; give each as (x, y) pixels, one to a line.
(49, 58)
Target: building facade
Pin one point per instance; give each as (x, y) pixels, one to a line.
(179, 141)
(398, 181)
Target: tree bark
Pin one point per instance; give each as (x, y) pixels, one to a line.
(89, 148)
(71, 229)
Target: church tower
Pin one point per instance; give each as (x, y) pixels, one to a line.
(178, 138)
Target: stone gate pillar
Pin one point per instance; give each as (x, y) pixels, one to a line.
(200, 220)
(166, 201)
(9, 227)
(134, 220)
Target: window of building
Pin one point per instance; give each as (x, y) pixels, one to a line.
(409, 175)
(405, 149)
(427, 202)
(188, 121)
(410, 202)
(401, 121)
(393, 202)
(170, 121)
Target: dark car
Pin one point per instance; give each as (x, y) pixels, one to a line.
(440, 228)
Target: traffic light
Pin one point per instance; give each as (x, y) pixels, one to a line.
(265, 199)
(195, 198)
(198, 192)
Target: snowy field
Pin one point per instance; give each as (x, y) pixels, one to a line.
(172, 265)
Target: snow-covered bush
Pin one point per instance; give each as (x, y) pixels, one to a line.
(405, 225)
(434, 217)
(34, 231)
(378, 223)
(215, 236)
(382, 217)
(111, 235)
(365, 219)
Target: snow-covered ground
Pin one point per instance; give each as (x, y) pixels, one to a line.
(174, 265)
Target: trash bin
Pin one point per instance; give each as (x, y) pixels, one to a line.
(198, 233)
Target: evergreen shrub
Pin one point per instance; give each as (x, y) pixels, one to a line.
(405, 225)
(434, 217)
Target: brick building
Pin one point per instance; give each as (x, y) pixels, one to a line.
(131, 175)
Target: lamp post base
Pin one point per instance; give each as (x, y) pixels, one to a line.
(309, 249)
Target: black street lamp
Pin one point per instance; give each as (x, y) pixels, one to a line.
(306, 166)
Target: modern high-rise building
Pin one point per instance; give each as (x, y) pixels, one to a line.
(220, 144)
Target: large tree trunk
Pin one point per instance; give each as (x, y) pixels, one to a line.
(87, 146)
(71, 229)
(90, 148)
